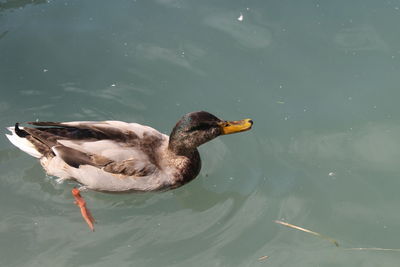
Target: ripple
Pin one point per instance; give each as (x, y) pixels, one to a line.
(121, 93)
(247, 34)
(360, 38)
(374, 146)
(4, 106)
(19, 4)
(172, 56)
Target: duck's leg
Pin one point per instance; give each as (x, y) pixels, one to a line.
(81, 203)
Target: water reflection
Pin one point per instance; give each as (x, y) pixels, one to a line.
(13, 4)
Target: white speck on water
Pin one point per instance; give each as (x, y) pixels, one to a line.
(125, 44)
(374, 106)
(113, 85)
(286, 118)
(240, 18)
(231, 178)
(280, 86)
(396, 7)
(247, 8)
(45, 70)
(331, 174)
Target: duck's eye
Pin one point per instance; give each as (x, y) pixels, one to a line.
(200, 127)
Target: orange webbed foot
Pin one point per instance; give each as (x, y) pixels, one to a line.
(81, 203)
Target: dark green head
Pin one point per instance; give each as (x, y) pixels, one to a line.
(197, 128)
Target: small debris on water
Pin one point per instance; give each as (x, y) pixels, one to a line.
(331, 174)
(45, 70)
(263, 258)
(308, 231)
(113, 85)
(240, 18)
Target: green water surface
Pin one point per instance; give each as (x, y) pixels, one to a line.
(320, 79)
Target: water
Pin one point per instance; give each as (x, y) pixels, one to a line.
(319, 78)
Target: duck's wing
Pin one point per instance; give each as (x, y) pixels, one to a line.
(127, 149)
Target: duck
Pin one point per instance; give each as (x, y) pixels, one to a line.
(115, 156)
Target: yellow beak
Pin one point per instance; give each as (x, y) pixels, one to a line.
(230, 127)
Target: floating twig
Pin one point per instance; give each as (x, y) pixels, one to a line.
(375, 249)
(263, 258)
(309, 231)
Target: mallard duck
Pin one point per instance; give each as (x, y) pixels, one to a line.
(115, 156)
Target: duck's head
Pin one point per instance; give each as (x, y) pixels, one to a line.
(197, 128)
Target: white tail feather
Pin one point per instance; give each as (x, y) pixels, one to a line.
(22, 143)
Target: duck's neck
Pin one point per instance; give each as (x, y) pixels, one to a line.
(181, 144)
(180, 149)
(187, 163)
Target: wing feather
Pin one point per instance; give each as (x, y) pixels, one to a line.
(112, 146)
